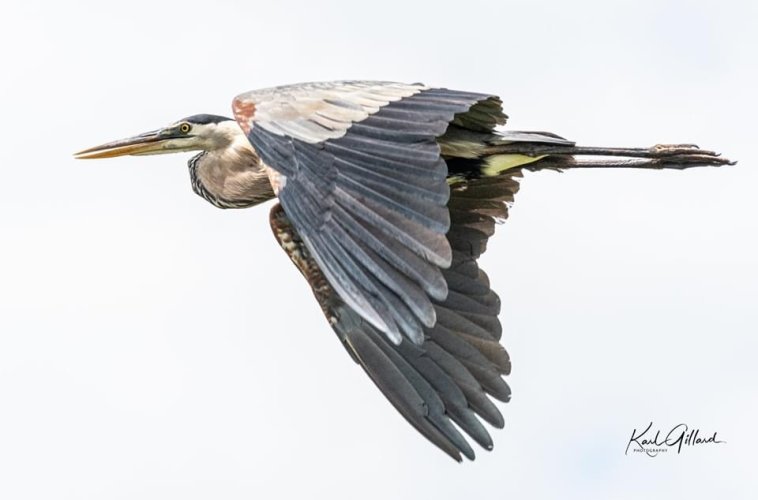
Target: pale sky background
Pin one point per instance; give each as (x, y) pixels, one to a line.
(155, 347)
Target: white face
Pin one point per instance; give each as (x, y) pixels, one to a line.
(213, 136)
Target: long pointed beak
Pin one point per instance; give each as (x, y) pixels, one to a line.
(153, 142)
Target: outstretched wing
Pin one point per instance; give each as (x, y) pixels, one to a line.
(361, 178)
(450, 376)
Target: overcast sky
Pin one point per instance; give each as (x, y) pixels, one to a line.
(153, 346)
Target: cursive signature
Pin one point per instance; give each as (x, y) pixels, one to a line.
(680, 435)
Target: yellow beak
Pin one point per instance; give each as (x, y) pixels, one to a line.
(154, 142)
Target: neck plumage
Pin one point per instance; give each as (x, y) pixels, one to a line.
(232, 176)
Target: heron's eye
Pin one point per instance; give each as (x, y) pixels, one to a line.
(185, 128)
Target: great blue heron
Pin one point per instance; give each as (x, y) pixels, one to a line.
(388, 194)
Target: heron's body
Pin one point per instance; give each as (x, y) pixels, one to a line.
(388, 194)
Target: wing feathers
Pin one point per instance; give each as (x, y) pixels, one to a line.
(471, 388)
(400, 284)
(398, 389)
(389, 248)
(449, 376)
(383, 170)
(404, 260)
(289, 110)
(427, 243)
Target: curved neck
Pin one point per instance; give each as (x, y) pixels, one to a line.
(231, 177)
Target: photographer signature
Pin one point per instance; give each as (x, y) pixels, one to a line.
(680, 435)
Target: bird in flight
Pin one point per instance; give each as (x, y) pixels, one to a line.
(388, 194)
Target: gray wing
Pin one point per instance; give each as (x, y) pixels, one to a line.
(316, 111)
(363, 182)
(451, 376)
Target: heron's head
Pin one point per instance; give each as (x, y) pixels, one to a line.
(194, 133)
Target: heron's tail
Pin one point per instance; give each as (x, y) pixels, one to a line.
(540, 150)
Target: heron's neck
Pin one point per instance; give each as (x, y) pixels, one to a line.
(231, 175)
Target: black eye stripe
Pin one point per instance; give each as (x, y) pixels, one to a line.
(205, 119)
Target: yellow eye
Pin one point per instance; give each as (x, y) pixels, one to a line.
(185, 128)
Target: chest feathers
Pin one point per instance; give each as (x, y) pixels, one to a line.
(230, 178)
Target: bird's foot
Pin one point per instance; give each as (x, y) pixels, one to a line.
(684, 154)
